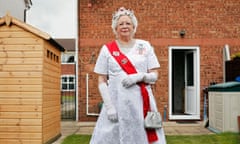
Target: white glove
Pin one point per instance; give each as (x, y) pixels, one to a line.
(111, 111)
(132, 79)
(150, 77)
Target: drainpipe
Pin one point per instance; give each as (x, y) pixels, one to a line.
(24, 17)
(76, 54)
(226, 57)
(28, 4)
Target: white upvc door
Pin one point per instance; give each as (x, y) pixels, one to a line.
(190, 83)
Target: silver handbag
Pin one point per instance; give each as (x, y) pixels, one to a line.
(153, 120)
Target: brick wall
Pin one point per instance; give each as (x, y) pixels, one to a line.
(67, 69)
(208, 24)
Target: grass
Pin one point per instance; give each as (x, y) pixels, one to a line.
(77, 139)
(68, 98)
(223, 138)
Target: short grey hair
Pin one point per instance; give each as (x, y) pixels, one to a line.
(122, 12)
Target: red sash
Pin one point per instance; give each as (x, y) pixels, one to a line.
(127, 66)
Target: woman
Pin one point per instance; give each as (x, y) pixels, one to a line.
(121, 120)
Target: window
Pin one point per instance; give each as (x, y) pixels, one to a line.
(68, 83)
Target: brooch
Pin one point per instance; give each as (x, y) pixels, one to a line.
(124, 61)
(116, 53)
(141, 49)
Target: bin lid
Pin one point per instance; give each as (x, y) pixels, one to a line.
(232, 86)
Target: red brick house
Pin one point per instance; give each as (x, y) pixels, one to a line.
(68, 78)
(68, 71)
(189, 37)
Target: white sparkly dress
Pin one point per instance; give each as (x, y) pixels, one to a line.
(128, 101)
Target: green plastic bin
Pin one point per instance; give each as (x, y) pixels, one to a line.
(225, 87)
(224, 106)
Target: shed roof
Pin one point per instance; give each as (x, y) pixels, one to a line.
(7, 20)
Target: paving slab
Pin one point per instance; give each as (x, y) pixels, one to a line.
(170, 128)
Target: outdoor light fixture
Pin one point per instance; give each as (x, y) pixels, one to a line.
(182, 33)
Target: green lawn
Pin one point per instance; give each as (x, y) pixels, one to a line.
(223, 138)
(77, 139)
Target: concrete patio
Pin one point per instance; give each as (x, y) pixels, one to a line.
(170, 128)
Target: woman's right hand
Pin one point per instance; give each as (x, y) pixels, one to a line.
(112, 114)
(107, 101)
(132, 79)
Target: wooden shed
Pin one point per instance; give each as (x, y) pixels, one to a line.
(30, 66)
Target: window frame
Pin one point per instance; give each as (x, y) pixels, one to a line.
(68, 82)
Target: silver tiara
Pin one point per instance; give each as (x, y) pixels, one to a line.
(122, 11)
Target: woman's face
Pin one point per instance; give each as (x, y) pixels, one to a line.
(124, 27)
